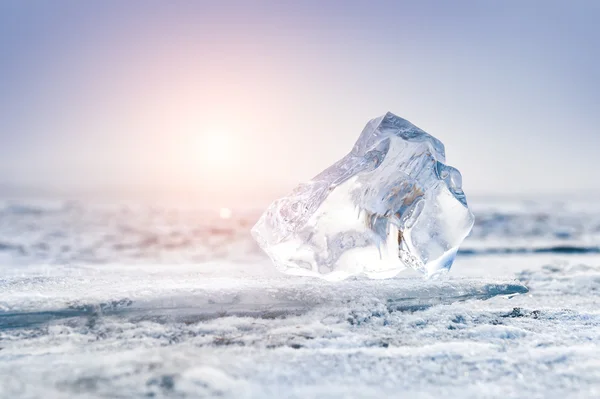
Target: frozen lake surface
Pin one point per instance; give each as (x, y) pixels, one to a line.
(146, 301)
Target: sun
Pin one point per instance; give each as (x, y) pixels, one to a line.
(225, 213)
(214, 155)
(216, 148)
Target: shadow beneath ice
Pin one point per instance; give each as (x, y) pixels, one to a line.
(271, 301)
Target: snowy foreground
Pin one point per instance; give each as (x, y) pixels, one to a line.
(517, 316)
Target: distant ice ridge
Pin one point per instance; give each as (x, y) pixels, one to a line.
(391, 203)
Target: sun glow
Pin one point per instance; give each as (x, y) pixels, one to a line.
(211, 157)
(225, 213)
(216, 148)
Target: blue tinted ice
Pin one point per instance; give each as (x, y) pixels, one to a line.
(391, 203)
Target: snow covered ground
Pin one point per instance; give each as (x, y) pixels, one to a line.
(146, 301)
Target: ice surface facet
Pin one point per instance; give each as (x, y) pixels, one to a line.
(391, 203)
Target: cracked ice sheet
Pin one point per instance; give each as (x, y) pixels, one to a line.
(213, 289)
(137, 332)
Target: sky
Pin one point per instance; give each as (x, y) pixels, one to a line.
(241, 101)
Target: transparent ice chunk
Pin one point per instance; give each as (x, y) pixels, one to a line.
(391, 203)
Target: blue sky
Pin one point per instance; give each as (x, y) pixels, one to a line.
(223, 97)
